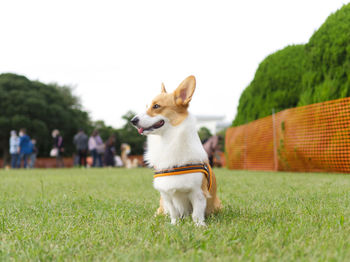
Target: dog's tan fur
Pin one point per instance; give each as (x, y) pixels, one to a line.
(174, 105)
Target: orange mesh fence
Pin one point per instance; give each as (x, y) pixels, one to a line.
(309, 138)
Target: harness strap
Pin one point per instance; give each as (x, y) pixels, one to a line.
(181, 170)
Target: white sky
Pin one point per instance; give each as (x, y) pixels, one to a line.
(117, 53)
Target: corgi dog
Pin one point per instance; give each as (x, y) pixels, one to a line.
(183, 177)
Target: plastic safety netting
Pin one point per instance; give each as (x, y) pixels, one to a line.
(309, 138)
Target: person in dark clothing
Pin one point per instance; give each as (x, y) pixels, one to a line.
(25, 146)
(110, 151)
(58, 144)
(211, 146)
(81, 144)
(33, 154)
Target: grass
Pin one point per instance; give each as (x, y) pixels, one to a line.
(107, 215)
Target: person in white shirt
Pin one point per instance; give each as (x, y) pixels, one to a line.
(96, 148)
(14, 150)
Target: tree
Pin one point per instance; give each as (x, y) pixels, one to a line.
(327, 72)
(204, 133)
(39, 108)
(276, 84)
(128, 134)
(302, 74)
(104, 131)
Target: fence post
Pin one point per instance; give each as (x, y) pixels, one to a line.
(245, 166)
(275, 160)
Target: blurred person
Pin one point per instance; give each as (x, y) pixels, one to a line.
(81, 144)
(96, 148)
(211, 146)
(58, 145)
(25, 146)
(33, 154)
(75, 157)
(14, 150)
(110, 151)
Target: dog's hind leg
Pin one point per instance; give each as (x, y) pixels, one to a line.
(160, 210)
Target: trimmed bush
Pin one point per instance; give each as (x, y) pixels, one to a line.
(301, 74)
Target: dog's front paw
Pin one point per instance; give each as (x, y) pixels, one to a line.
(201, 224)
(173, 221)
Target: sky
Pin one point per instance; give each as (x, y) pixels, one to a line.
(116, 53)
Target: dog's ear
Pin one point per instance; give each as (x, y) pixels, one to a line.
(163, 88)
(183, 94)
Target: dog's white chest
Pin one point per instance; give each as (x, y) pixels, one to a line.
(178, 183)
(178, 192)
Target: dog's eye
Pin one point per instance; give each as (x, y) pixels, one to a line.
(155, 106)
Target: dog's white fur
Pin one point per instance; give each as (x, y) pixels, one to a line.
(172, 146)
(176, 145)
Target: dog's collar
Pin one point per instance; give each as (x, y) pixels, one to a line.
(192, 168)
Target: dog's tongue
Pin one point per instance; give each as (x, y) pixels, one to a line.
(140, 130)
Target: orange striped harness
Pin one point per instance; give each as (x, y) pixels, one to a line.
(181, 170)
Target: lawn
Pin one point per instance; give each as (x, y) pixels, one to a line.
(108, 215)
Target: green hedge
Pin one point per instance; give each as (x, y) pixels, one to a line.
(302, 74)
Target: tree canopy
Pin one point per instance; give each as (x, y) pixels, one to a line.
(301, 74)
(40, 108)
(204, 134)
(126, 134)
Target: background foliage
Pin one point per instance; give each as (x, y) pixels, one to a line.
(40, 108)
(302, 74)
(204, 134)
(127, 134)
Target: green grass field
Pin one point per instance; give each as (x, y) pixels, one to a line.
(107, 215)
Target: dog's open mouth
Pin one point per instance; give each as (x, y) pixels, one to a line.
(157, 125)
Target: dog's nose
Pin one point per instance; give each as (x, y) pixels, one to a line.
(135, 120)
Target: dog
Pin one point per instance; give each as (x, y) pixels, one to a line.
(183, 176)
(127, 162)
